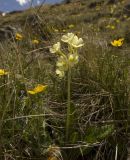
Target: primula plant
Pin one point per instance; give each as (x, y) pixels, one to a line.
(65, 62)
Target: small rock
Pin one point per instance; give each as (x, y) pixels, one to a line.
(7, 32)
(126, 9)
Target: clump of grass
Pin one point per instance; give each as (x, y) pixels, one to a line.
(83, 120)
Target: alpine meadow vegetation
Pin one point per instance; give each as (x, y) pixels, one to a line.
(65, 82)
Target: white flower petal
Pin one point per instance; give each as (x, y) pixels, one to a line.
(73, 59)
(52, 50)
(77, 42)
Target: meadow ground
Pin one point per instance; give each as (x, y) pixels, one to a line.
(68, 101)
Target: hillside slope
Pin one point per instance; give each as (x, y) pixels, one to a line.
(81, 111)
(94, 15)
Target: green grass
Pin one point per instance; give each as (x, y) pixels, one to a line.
(34, 126)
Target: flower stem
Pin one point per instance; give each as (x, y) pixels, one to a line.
(68, 104)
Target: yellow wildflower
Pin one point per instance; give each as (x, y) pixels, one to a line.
(39, 88)
(3, 72)
(35, 41)
(117, 43)
(64, 30)
(18, 36)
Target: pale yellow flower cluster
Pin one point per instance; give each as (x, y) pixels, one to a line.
(72, 40)
(66, 61)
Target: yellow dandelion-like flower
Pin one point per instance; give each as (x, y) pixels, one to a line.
(35, 41)
(3, 72)
(39, 88)
(117, 43)
(18, 36)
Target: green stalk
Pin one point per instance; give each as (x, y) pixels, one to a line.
(68, 104)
